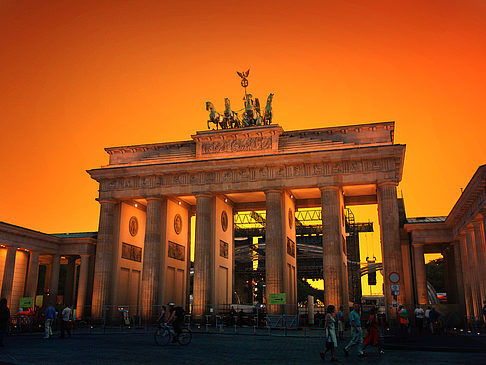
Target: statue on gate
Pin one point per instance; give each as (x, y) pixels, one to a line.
(268, 111)
(230, 118)
(214, 116)
(252, 113)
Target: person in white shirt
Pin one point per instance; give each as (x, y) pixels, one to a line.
(419, 318)
(66, 321)
(427, 319)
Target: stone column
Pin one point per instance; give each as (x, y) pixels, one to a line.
(420, 274)
(69, 283)
(32, 274)
(466, 276)
(332, 246)
(203, 255)
(54, 283)
(390, 240)
(82, 286)
(450, 277)
(481, 254)
(104, 259)
(473, 271)
(274, 249)
(8, 274)
(458, 272)
(151, 257)
(47, 279)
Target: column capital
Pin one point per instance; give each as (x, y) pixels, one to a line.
(387, 183)
(157, 197)
(273, 191)
(477, 221)
(329, 187)
(469, 228)
(107, 201)
(203, 195)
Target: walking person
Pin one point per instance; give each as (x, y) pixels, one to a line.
(373, 336)
(403, 319)
(356, 331)
(50, 315)
(340, 323)
(66, 321)
(330, 332)
(419, 318)
(427, 319)
(4, 319)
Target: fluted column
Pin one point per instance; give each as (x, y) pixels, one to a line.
(466, 278)
(274, 249)
(8, 274)
(32, 274)
(151, 257)
(69, 283)
(203, 255)
(420, 273)
(458, 272)
(481, 254)
(473, 271)
(390, 240)
(332, 246)
(82, 286)
(104, 258)
(54, 282)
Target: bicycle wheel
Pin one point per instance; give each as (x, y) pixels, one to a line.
(185, 337)
(162, 336)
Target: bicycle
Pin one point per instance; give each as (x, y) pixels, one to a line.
(164, 335)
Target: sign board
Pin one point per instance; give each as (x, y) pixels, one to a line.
(394, 304)
(395, 287)
(277, 298)
(26, 302)
(394, 277)
(39, 300)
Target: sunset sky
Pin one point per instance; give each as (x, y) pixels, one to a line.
(79, 76)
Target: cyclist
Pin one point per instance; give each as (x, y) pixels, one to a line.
(163, 315)
(176, 318)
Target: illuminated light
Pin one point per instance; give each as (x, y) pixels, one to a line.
(180, 203)
(291, 197)
(136, 205)
(225, 200)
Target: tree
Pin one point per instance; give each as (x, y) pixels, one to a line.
(435, 274)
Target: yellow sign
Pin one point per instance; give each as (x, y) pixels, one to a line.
(39, 300)
(277, 298)
(26, 302)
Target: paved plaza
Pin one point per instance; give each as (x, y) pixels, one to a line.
(132, 348)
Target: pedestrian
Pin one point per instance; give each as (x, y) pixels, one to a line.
(340, 322)
(434, 320)
(330, 332)
(373, 336)
(427, 320)
(163, 317)
(50, 315)
(4, 319)
(419, 318)
(403, 319)
(66, 321)
(356, 331)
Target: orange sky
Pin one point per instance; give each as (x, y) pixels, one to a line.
(76, 77)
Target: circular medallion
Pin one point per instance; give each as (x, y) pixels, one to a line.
(133, 226)
(291, 218)
(224, 220)
(177, 223)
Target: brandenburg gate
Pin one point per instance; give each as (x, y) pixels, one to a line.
(148, 194)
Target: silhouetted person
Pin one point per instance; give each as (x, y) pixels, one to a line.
(4, 319)
(66, 321)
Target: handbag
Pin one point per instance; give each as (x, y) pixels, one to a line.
(329, 341)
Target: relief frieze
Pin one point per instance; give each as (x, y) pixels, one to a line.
(253, 174)
(237, 145)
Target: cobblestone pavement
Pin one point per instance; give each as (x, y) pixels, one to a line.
(204, 349)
